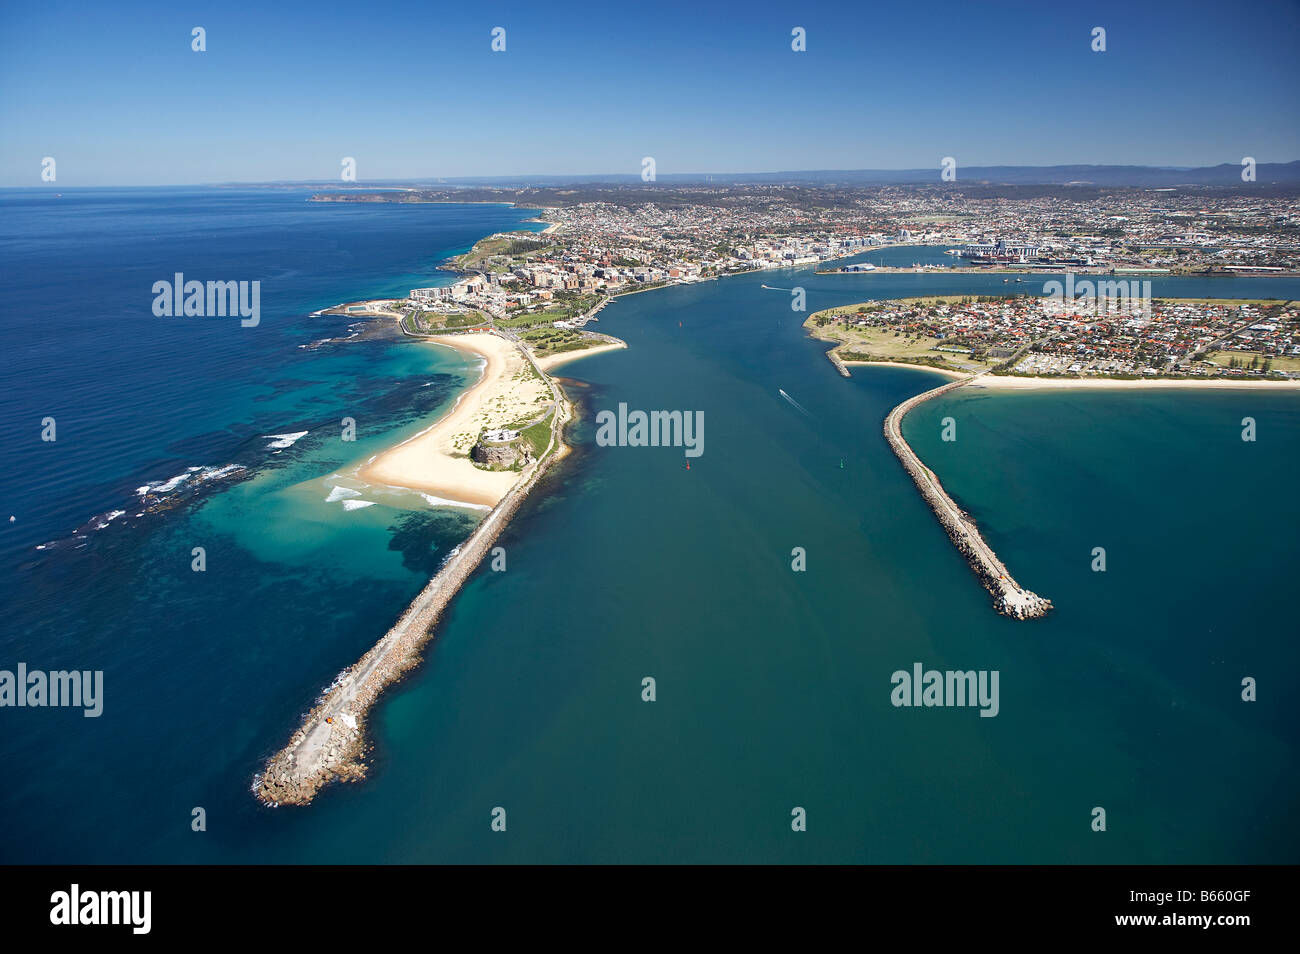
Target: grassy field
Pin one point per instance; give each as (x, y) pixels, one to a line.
(569, 307)
(546, 341)
(885, 345)
(514, 244)
(918, 302)
(538, 436)
(572, 304)
(432, 322)
(1221, 358)
(526, 321)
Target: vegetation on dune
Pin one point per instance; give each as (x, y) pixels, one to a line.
(556, 340)
(538, 436)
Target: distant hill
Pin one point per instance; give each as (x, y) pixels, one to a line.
(1227, 174)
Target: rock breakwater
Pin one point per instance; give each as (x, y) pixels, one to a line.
(330, 744)
(1009, 597)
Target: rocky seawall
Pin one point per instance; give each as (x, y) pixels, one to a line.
(838, 362)
(1009, 597)
(330, 744)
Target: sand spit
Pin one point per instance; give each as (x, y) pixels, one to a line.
(331, 742)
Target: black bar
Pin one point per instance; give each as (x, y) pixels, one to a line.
(333, 904)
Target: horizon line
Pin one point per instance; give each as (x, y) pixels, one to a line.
(634, 176)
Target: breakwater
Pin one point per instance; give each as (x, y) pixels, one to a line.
(836, 360)
(330, 744)
(1009, 597)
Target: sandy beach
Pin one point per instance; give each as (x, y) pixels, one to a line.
(547, 362)
(435, 460)
(946, 372)
(1011, 382)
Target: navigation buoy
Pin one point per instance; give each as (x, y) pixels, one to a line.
(688, 465)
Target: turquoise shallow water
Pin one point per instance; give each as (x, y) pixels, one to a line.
(773, 686)
(203, 671)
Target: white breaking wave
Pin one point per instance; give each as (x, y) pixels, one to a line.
(165, 487)
(281, 441)
(341, 493)
(108, 518)
(357, 504)
(200, 474)
(441, 502)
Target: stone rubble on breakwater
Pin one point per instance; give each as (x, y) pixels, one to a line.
(331, 741)
(1009, 597)
(836, 360)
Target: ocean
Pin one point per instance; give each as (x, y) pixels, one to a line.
(772, 685)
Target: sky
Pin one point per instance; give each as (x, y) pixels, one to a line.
(285, 89)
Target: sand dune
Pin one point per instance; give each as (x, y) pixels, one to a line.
(435, 461)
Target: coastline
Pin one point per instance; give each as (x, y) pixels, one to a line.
(1012, 382)
(425, 463)
(564, 357)
(1024, 382)
(1020, 382)
(330, 743)
(946, 372)
(1052, 269)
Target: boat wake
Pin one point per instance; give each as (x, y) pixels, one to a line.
(797, 406)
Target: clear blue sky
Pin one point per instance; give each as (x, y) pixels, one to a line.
(286, 89)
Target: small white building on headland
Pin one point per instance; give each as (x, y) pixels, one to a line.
(499, 436)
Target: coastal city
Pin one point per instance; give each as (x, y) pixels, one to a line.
(779, 435)
(1034, 336)
(544, 288)
(523, 301)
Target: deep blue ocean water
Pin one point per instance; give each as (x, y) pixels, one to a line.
(773, 686)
